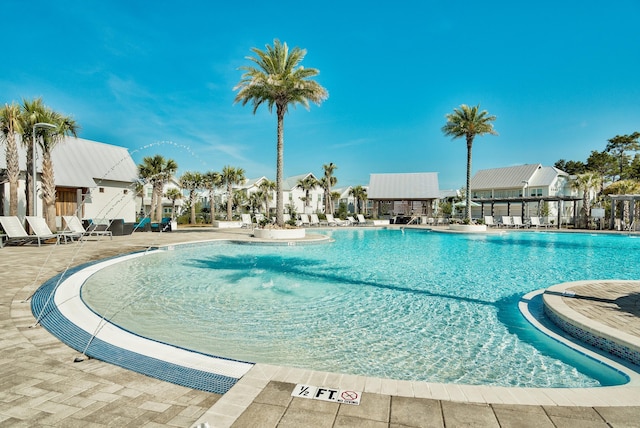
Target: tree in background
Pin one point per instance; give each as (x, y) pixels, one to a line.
(157, 171)
(211, 181)
(586, 183)
(10, 127)
(173, 195)
(468, 122)
(231, 176)
(327, 182)
(602, 163)
(47, 141)
(32, 112)
(618, 146)
(571, 167)
(623, 187)
(279, 80)
(266, 189)
(307, 184)
(192, 182)
(360, 194)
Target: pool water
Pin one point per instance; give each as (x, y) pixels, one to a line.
(402, 304)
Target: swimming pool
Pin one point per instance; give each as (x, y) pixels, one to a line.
(389, 303)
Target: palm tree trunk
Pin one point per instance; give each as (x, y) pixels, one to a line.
(229, 200)
(48, 191)
(280, 167)
(13, 173)
(192, 198)
(467, 208)
(30, 178)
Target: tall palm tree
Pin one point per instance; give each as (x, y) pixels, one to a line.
(212, 180)
(157, 171)
(10, 126)
(279, 80)
(32, 112)
(468, 122)
(192, 181)
(65, 125)
(231, 176)
(327, 182)
(307, 184)
(586, 183)
(360, 194)
(266, 188)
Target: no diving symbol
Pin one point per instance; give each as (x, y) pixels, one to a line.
(349, 395)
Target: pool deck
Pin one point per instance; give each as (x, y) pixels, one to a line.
(40, 385)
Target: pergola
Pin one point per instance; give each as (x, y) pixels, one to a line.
(632, 199)
(524, 200)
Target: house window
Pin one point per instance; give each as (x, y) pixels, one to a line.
(101, 190)
(125, 191)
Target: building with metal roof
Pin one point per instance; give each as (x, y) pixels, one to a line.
(93, 180)
(403, 193)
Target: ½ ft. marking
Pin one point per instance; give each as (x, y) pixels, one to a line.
(327, 394)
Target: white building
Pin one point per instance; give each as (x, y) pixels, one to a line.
(144, 203)
(93, 180)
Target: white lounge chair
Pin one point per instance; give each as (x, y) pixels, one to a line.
(40, 229)
(488, 220)
(14, 231)
(74, 225)
(361, 220)
(517, 221)
(352, 221)
(535, 222)
(314, 220)
(246, 221)
(331, 221)
(304, 220)
(507, 221)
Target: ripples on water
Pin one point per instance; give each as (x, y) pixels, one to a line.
(406, 305)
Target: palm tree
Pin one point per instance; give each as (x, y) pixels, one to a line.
(360, 194)
(192, 181)
(586, 183)
(279, 80)
(266, 188)
(327, 182)
(306, 184)
(32, 112)
(10, 126)
(212, 180)
(468, 122)
(65, 126)
(231, 176)
(173, 195)
(157, 171)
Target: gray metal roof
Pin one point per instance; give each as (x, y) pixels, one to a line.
(407, 186)
(291, 183)
(545, 176)
(504, 178)
(83, 163)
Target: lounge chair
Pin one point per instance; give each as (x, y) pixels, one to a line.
(535, 222)
(507, 221)
(361, 220)
(351, 221)
(488, 221)
(314, 220)
(143, 225)
(15, 233)
(73, 225)
(246, 221)
(163, 226)
(304, 220)
(331, 221)
(517, 221)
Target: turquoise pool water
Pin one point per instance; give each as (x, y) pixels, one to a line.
(410, 304)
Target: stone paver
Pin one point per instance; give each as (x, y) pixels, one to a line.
(40, 385)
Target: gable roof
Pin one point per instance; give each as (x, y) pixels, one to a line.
(83, 163)
(406, 186)
(291, 183)
(503, 178)
(512, 177)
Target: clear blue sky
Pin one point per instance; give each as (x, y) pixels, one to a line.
(561, 77)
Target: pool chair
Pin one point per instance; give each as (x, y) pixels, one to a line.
(304, 220)
(488, 221)
(517, 221)
(163, 226)
(331, 221)
(15, 233)
(351, 221)
(246, 221)
(314, 220)
(40, 229)
(74, 225)
(507, 221)
(535, 222)
(361, 220)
